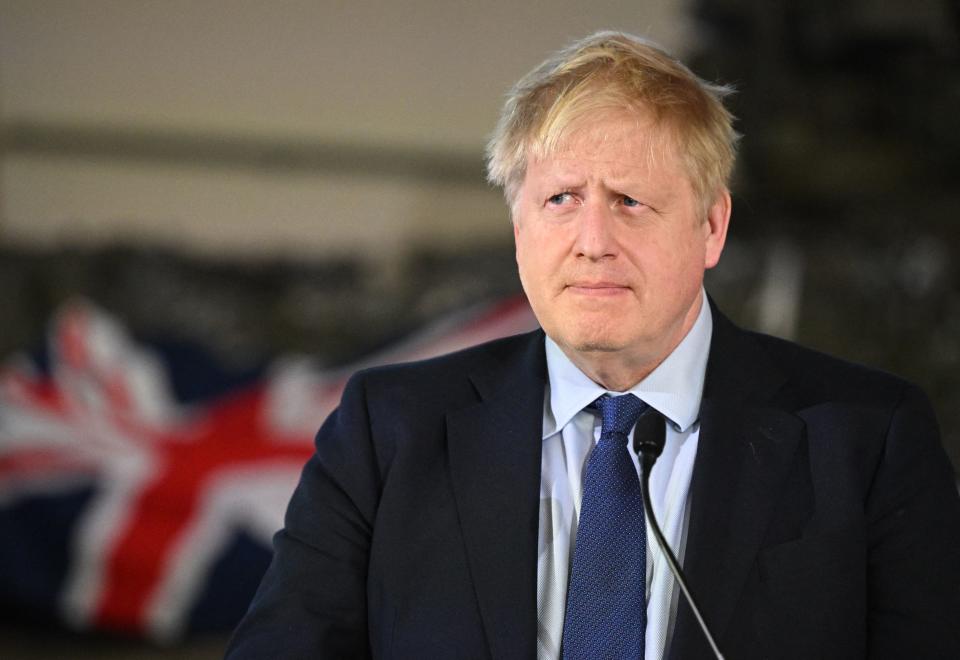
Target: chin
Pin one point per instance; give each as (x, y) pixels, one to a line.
(595, 342)
(587, 331)
(597, 347)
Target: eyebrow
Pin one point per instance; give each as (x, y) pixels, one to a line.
(615, 183)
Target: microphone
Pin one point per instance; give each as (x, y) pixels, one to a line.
(648, 440)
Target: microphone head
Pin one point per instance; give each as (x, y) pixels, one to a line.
(649, 435)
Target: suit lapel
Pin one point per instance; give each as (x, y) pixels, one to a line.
(495, 454)
(746, 447)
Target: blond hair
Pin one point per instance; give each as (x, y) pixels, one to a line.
(614, 71)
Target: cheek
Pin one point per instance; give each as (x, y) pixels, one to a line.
(522, 252)
(676, 260)
(527, 267)
(533, 250)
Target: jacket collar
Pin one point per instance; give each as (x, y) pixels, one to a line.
(495, 450)
(747, 444)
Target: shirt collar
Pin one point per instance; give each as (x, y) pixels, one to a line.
(674, 388)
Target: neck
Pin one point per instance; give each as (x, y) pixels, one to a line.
(610, 370)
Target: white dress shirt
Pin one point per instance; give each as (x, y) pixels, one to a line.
(674, 389)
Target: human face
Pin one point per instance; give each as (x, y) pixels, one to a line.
(612, 244)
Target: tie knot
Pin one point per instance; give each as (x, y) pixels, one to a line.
(619, 413)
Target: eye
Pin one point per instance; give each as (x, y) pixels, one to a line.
(560, 199)
(631, 202)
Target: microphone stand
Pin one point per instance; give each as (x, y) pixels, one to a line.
(648, 447)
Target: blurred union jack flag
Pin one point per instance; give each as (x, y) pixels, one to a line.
(129, 504)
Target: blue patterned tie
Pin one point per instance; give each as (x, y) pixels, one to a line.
(606, 601)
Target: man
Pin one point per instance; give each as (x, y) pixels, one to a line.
(486, 505)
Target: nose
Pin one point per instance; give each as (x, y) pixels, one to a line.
(595, 237)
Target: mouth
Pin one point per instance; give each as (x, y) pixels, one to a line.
(597, 289)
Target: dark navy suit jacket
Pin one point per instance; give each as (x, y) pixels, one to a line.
(824, 519)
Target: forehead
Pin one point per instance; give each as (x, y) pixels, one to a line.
(618, 144)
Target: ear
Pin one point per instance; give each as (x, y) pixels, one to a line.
(516, 233)
(715, 228)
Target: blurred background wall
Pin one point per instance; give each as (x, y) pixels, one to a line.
(290, 129)
(274, 178)
(340, 136)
